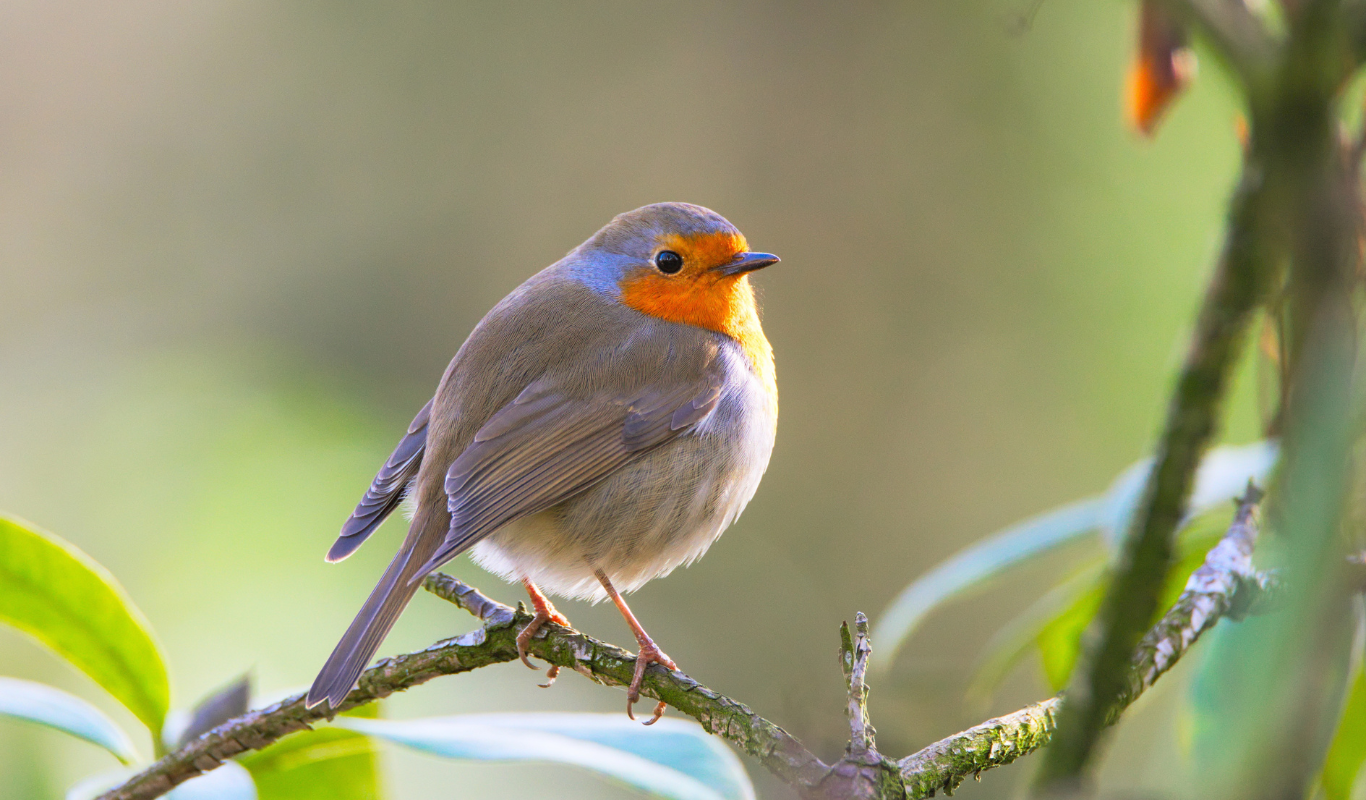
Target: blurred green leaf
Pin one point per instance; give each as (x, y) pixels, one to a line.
(672, 758)
(47, 705)
(1267, 692)
(1060, 640)
(1021, 635)
(54, 592)
(973, 567)
(324, 764)
(1348, 750)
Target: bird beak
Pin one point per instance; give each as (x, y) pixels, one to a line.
(747, 262)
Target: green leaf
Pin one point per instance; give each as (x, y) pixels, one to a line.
(47, 705)
(1347, 753)
(672, 758)
(325, 764)
(63, 598)
(971, 568)
(1060, 640)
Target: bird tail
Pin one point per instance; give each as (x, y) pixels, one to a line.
(372, 624)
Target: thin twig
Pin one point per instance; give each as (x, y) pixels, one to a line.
(862, 773)
(862, 736)
(1225, 581)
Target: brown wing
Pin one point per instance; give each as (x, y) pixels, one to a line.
(543, 448)
(386, 491)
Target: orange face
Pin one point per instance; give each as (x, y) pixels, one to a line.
(700, 294)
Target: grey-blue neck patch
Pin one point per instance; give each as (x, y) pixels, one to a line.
(602, 274)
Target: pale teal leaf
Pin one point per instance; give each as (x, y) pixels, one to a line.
(971, 568)
(1223, 474)
(98, 784)
(47, 705)
(230, 781)
(57, 594)
(1060, 640)
(673, 758)
(679, 744)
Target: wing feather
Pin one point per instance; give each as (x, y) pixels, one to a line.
(386, 491)
(543, 448)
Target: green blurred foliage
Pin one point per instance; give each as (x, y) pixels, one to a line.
(61, 597)
(239, 242)
(331, 765)
(1348, 751)
(324, 764)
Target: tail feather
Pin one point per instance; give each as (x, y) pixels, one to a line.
(358, 645)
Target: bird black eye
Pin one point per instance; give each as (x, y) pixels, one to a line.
(668, 262)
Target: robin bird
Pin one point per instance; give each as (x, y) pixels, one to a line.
(603, 424)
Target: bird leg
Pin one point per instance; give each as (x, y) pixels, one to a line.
(649, 651)
(545, 612)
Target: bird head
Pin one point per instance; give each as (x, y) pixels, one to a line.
(676, 261)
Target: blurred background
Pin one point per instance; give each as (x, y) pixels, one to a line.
(239, 241)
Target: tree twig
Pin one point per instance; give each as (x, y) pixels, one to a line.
(863, 773)
(854, 658)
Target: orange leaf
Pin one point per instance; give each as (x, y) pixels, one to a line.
(1161, 69)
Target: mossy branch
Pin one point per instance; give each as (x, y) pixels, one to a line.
(492, 643)
(1223, 585)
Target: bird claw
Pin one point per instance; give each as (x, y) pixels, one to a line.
(543, 615)
(649, 654)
